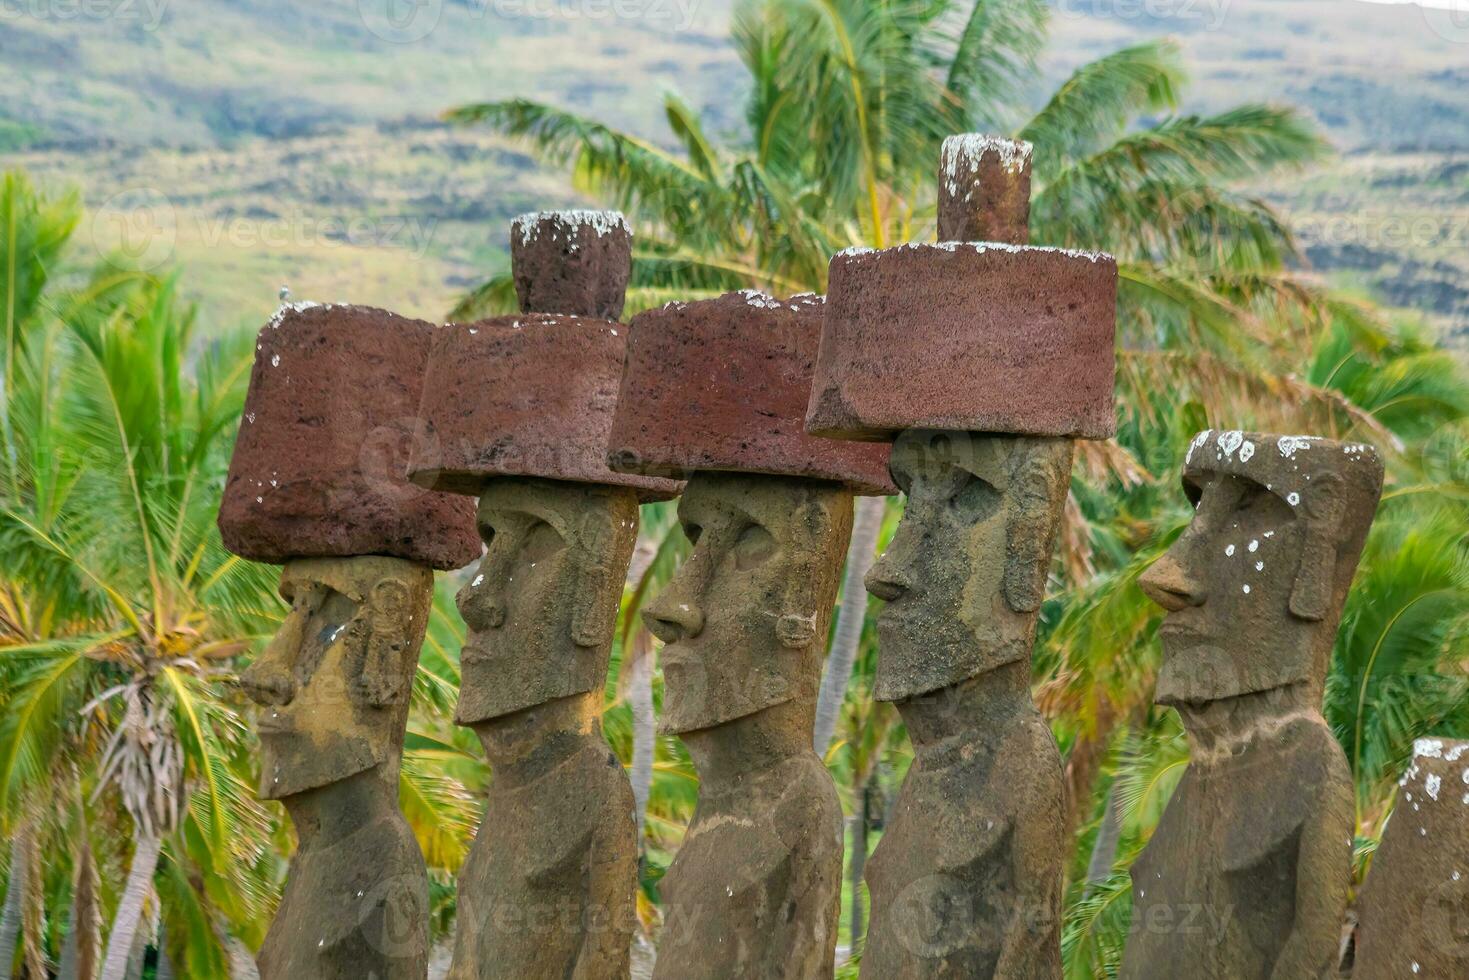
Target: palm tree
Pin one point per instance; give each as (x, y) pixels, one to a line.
(121, 614)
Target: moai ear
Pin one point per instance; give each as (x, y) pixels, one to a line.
(594, 611)
(1321, 509)
(381, 682)
(1037, 496)
(796, 627)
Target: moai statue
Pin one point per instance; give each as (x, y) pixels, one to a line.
(1413, 912)
(517, 411)
(317, 484)
(981, 361)
(1248, 872)
(717, 389)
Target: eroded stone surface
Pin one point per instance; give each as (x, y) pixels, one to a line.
(572, 262)
(984, 189)
(526, 395)
(754, 890)
(723, 384)
(1413, 911)
(333, 688)
(547, 890)
(319, 467)
(970, 337)
(966, 881)
(1248, 872)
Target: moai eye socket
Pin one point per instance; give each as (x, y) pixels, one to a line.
(692, 532)
(541, 542)
(755, 545)
(974, 498)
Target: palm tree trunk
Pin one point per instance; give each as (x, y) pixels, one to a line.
(165, 965)
(15, 892)
(33, 937)
(861, 553)
(857, 864)
(640, 700)
(1104, 848)
(130, 908)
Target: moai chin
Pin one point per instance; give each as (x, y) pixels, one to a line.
(1248, 872)
(966, 881)
(516, 412)
(717, 389)
(316, 484)
(1413, 911)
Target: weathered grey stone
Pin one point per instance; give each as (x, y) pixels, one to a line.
(966, 881)
(755, 887)
(548, 888)
(333, 688)
(1413, 912)
(1248, 872)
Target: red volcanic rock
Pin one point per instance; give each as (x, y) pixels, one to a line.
(527, 395)
(984, 190)
(571, 262)
(319, 468)
(723, 384)
(979, 337)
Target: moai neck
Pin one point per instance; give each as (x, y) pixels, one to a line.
(330, 814)
(752, 744)
(981, 705)
(528, 744)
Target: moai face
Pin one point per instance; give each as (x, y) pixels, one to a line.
(966, 572)
(334, 683)
(1254, 586)
(541, 609)
(744, 620)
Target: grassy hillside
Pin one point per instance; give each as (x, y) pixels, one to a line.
(273, 142)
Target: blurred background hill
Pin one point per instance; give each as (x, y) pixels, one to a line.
(268, 142)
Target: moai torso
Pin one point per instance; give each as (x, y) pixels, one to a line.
(967, 879)
(755, 887)
(547, 890)
(333, 686)
(1413, 910)
(1248, 872)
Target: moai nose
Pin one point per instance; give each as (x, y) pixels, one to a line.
(267, 684)
(480, 606)
(891, 576)
(672, 618)
(1169, 583)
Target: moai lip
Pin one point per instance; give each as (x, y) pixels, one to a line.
(1411, 913)
(571, 262)
(722, 384)
(330, 419)
(517, 410)
(1249, 870)
(755, 888)
(333, 688)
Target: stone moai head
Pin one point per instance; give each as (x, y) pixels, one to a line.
(744, 621)
(574, 263)
(334, 683)
(540, 610)
(1254, 587)
(965, 574)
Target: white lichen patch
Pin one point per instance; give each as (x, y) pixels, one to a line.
(565, 224)
(759, 300)
(1229, 551)
(1198, 443)
(1246, 451)
(1294, 499)
(1290, 445)
(1229, 442)
(980, 247)
(1254, 545)
(1428, 748)
(1431, 785)
(280, 314)
(1452, 755)
(962, 155)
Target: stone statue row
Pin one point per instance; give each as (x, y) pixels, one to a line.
(376, 448)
